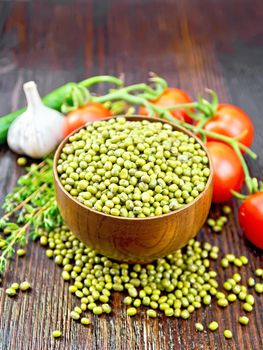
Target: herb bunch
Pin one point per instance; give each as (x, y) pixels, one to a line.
(30, 206)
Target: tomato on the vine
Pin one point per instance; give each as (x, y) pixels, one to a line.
(172, 97)
(228, 172)
(91, 112)
(231, 121)
(250, 216)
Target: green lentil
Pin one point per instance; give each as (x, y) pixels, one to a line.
(56, 334)
(244, 320)
(213, 326)
(228, 334)
(24, 286)
(199, 327)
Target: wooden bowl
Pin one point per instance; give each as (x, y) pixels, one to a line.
(134, 239)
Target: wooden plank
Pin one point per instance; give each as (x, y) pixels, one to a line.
(194, 44)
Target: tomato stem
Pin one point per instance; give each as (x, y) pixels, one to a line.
(87, 83)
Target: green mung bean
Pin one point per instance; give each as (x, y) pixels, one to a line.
(226, 209)
(21, 252)
(24, 286)
(21, 161)
(232, 297)
(224, 263)
(56, 334)
(259, 288)
(199, 327)
(247, 307)
(129, 164)
(244, 320)
(213, 326)
(223, 302)
(251, 282)
(242, 295)
(131, 311)
(15, 285)
(75, 315)
(11, 292)
(250, 299)
(238, 262)
(228, 334)
(85, 321)
(259, 272)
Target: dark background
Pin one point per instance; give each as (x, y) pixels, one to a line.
(193, 44)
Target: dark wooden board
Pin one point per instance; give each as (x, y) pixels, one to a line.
(193, 44)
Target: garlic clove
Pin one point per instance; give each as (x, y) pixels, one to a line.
(38, 130)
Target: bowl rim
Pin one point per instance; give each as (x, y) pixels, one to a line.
(134, 117)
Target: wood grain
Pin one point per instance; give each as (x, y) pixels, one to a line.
(194, 44)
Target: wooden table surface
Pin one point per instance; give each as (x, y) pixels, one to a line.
(194, 45)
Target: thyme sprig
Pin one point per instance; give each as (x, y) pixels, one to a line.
(29, 207)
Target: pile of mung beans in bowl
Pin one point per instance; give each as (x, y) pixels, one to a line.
(131, 175)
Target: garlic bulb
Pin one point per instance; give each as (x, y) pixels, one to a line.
(38, 130)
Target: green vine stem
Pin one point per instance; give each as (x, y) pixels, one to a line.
(87, 83)
(206, 108)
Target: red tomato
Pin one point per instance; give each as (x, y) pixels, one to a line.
(250, 216)
(228, 172)
(91, 112)
(231, 121)
(172, 97)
